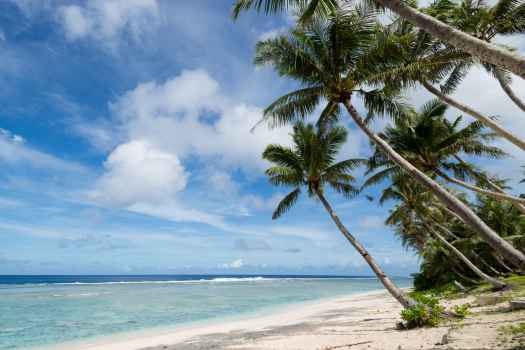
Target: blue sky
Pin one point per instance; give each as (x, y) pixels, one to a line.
(125, 146)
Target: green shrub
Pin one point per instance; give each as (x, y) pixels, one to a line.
(427, 312)
(462, 310)
(517, 329)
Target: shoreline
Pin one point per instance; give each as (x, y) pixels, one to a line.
(360, 321)
(170, 335)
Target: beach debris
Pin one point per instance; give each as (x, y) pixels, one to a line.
(459, 286)
(445, 340)
(517, 304)
(347, 345)
(490, 299)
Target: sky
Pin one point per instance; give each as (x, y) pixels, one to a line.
(125, 146)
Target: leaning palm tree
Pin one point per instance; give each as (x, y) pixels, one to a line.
(485, 51)
(485, 22)
(311, 164)
(335, 60)
(433, 144)
(415, 204)
(426, 62)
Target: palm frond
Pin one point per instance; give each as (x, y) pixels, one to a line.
(286, 203)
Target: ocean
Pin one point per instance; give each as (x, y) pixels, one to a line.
(40, 311)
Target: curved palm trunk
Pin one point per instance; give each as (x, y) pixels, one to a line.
(444, 229)
(501, 262)
(467, 215)
(497, 195)
(448, 211)
(485, 51)
(487, 265)
(493, 281)
(465, 278)
(478, 116)
(492, 185)
(508, 90)
(389, 285)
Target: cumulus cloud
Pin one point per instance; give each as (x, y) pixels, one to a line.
(236, 264)
(107, 20)
(272, 34)
(140, 172)
(183, 119)
(220, 128)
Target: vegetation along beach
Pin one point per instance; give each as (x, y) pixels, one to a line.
(262, 174)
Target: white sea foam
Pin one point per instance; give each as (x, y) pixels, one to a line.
(199, 281)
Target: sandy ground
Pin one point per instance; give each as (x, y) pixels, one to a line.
(358, 322)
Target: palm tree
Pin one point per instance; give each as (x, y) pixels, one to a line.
(433, 144)
(415, 205)
(485, 51)
(335, 60)
(485, 22)
(311, 164)
(425, 61)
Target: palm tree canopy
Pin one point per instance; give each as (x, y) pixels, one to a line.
(484, 21)
(430, 142)
(309, 8)
(333, 59)
(310, 163)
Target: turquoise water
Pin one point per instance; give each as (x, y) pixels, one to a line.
(48, 313)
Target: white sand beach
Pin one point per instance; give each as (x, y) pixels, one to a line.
(363, 321)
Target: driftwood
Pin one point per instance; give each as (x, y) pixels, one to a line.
(346, 345)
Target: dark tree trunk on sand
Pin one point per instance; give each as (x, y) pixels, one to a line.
(483, 50)
(475, 114)
(389, 285)
(464, 212)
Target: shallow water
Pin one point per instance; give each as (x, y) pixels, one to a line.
(37, 311)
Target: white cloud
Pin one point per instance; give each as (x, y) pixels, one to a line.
(236, 264)
(272, 34)
(220, 128)
(15, 151)
(75, 23)
(138, 172)
(186, 118)
(107, 20)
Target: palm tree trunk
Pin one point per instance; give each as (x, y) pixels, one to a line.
(448, 211)
(508, 90)
(487, 265)
(389, 285)
(497, 195)
(467, 215)
(444, 229)
(492, 185)
(478, 48)
(500, 261)
(478, 116)
(465, 278)
(497, 284)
